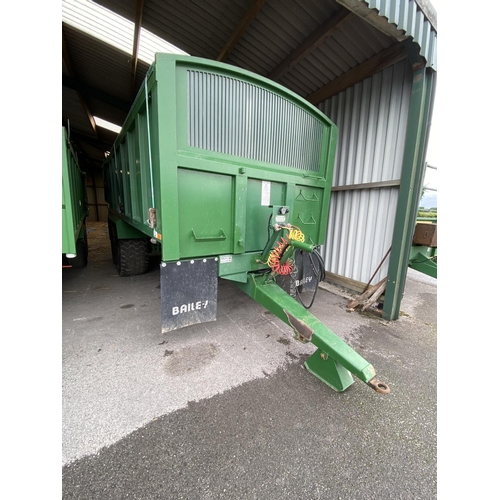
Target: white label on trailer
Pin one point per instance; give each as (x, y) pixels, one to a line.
(226, 259)
(265, 198)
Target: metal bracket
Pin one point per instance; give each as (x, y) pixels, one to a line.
(152, 218)
(307, 223)
(221, 236)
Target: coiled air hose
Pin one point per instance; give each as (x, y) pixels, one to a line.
(289, 267)
(274, 259)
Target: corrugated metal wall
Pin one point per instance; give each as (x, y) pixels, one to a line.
(98, 208)
(409, 17)
(372, 119)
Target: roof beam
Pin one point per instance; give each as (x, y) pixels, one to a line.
(95, 93)
(243, 25)
(84, 138)
(76, 140)
(388, 57)
(371, 16)
(315, 39)
(139, 10)
(81, 138)
(72, 73)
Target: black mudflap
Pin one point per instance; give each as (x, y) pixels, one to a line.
(304, 279)
(308, 271)
(188, 293)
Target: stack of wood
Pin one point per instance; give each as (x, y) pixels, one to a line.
(368, 297)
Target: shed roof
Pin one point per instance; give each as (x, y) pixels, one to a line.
(317, 49)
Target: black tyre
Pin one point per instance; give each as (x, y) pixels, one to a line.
(113, 238)
(132, 256)
(82, 253)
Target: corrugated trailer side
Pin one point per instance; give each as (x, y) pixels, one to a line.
(229, 175)
(74, 208)
(209, 135)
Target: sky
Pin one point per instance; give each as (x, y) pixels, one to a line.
(429, 199)
(431, 175)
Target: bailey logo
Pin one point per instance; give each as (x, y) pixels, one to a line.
(191, 306)
(303, 281)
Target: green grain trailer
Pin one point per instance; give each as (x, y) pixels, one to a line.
(74, 208)
(227, 175)
(423, 253)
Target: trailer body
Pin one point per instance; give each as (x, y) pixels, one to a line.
(74, 208)
(423, 252)
(227, 175)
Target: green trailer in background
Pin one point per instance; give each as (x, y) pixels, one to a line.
(228, 175)
(74, 208)
(423, 252)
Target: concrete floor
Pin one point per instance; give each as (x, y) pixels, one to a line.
(226, 409)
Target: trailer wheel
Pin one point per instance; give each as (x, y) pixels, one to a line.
(113, 238)
(132, 256)
(82, 253)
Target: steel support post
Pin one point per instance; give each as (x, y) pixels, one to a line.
(409, 194)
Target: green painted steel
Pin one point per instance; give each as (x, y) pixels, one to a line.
(124, 231)
(409, 192)
(74, 200)
(302, 246)
(335, 360)
(424, 259)
(257, 215)
(209, 178)
(216, 164)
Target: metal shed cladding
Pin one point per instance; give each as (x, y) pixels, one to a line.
(372, 118)
(369, 65)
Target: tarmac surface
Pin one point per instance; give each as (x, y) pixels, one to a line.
(226, 409)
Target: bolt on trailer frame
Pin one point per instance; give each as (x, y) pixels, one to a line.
(228, 175)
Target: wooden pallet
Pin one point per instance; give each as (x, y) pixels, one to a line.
(368, 297)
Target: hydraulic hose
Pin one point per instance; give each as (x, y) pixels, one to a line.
(319, 272)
